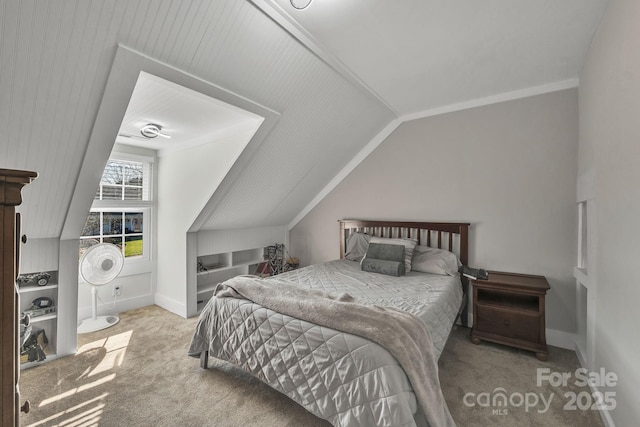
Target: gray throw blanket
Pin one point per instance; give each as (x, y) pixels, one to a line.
(405, 336)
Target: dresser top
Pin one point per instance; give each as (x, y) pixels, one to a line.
(11, 183)
(14, 175)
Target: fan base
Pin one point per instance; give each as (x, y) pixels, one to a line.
(99, 323)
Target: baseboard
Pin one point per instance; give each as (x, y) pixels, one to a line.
(120, 305)
(582, 357)
(562, 339)
(604, 414)
(170, 304)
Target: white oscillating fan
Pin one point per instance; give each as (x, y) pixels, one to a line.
(99, 265)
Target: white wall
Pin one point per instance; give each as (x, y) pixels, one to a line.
(509, 169)
(217, 241)
(610, 146)
(186, 181)
(39, 255)
(136, 292)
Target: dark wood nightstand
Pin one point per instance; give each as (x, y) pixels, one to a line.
(508, 308)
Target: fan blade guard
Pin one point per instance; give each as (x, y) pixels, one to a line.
(101, 263)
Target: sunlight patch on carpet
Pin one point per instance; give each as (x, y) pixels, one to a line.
(108, 353)
(91, 415)
(80, 389)
(115, 348)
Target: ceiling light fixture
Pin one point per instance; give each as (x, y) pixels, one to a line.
(151, 131)
(300, 4)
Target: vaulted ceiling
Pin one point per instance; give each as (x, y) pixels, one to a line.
(336, 75)
(419, 55)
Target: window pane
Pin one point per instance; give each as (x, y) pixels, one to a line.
(86, 244)
(133, 222)
(132, 246)
(133, 193)
(114, 241)
(112, 223)
(110, 192)
(112, 173)
(132, 172)
(92, 226)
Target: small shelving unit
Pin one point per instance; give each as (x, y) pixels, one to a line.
(48, 322)
(216, 268)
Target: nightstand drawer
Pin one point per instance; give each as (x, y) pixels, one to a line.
(506, 323)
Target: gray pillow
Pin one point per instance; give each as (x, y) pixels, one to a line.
(409, 245)
(383, 266)
(385, 251)
(357, 244)
(385, 259)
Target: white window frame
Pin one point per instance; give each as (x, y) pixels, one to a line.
(143, 263)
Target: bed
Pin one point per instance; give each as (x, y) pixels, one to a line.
(353, 347)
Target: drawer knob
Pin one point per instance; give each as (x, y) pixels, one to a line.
(26, 407)
(507, 322)
(23, 239)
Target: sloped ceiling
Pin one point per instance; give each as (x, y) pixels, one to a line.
(419, 55)
(186, 118)
(55, 59)
(337, 73)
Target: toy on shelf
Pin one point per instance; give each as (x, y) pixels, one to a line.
(41, 279)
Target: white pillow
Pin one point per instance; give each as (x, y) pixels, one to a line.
(435, 261)
(409, 246)
(357, 244)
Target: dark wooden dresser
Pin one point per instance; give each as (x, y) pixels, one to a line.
(11, 183)
(508, 308)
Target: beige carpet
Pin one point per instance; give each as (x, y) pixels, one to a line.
(137, 373)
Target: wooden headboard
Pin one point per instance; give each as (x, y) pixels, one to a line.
(452, 236)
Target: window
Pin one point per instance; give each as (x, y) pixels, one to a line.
(121, 210)
(123, 229)
(123, 180)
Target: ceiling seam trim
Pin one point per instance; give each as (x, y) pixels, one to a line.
(287, 23)
(494, 99)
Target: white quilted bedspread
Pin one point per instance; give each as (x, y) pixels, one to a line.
(343, 378)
